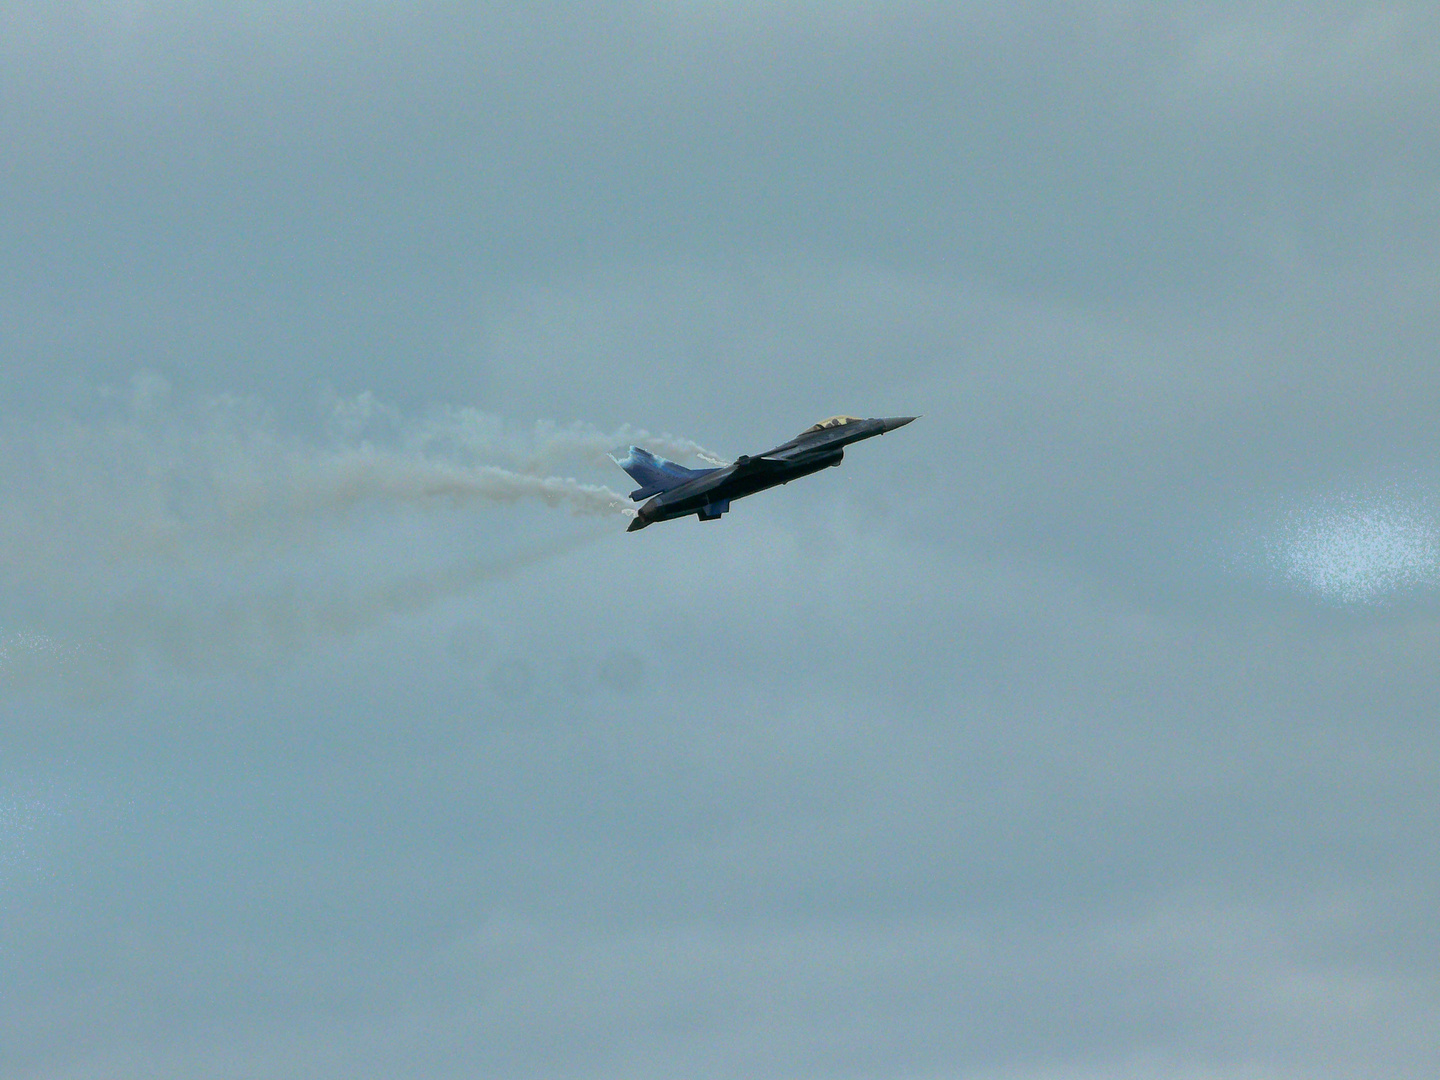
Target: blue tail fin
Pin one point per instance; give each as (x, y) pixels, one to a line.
(654, 474)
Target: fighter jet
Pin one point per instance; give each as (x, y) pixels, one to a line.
(674, 491)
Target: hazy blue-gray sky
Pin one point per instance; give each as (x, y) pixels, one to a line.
(1083, 730)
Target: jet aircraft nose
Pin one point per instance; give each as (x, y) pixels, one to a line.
(892, 422)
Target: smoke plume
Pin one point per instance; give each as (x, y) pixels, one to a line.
(201, 534)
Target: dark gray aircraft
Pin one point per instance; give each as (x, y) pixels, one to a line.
(675, 491)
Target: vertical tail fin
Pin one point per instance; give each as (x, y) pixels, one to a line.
(654, 474)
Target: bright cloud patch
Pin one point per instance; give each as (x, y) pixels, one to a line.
(1358, 549)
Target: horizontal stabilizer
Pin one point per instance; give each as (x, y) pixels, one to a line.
(654, 474)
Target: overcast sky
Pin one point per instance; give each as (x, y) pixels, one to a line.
(1085, 729)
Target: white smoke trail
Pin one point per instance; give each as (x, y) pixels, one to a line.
(201, 534)
(541, 448)
(597, 445)
(171, 481)
(203, 633)
(338, 481)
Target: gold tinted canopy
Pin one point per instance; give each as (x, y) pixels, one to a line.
(834, 421)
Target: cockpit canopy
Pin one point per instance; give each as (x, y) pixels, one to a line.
(834, 421)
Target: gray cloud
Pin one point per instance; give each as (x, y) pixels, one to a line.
(1078, 730)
